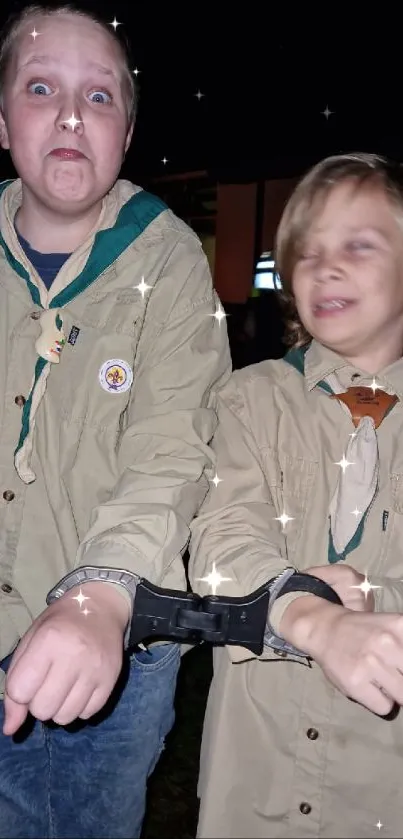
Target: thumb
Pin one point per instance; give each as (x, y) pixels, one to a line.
(14, 715)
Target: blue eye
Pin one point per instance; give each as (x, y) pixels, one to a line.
(101, 97)
(40, 88)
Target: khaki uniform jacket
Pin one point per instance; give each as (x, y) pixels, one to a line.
(284, 753)
(119, 474)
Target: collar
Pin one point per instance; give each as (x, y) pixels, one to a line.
(320, 362)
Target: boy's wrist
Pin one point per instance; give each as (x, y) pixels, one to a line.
(306, 621)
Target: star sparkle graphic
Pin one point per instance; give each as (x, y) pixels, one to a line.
(142, 287)
(199, 95)
(34, 34)
(136, 71)
(327, 113)
(165, 161)
(81, 598)
(343, 463)
(216, 480)
(366, 587)
(284, 519)
(214, 579)
(115, 23)
(379, 824)
(356, 513)
(72, 122)
(374, 386)
(219, 314)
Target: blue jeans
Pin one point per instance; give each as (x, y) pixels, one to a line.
(88, 780)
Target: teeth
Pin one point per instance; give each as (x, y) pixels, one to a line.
(332, 304)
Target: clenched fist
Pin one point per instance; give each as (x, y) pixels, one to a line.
(68, 662)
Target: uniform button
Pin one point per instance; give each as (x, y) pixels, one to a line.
(35, 315)
(280, 653)
(6, 588)
(20, 401)
(8, 495)
(312, 733)
(305, 808)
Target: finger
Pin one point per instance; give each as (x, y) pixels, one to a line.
(52, 694)
(14, 715)
(390, 682)
(375, 699)
(27, 673)
(95, 703)
(74, 704)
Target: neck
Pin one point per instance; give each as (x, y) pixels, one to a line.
(49, 232)
(376, 360)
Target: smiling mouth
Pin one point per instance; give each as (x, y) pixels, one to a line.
(328, 306)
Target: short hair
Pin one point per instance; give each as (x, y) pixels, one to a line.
(307, 200)
(15, 22)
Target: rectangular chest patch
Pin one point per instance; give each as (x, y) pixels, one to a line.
(74, 333)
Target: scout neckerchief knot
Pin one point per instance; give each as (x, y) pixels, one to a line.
(136, 214)
(355, 490)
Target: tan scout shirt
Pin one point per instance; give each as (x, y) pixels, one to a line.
(284, 753)
(120, 474)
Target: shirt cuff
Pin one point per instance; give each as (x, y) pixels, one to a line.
(280, 605)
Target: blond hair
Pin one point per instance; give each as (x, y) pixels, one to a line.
(15, 23)
(303, 206)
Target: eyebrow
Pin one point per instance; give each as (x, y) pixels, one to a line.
(47, 59)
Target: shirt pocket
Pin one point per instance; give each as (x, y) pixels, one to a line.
(292, 483)
(95, 378)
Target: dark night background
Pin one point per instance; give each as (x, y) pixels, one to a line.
(266, 72)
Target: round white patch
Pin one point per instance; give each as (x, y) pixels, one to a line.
(116, 376)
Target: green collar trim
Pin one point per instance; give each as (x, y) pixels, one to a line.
(134, 217)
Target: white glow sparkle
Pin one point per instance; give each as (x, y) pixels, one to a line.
(366, 587)
(374, 386)
(284, 519)
(80, 597)
(356, 513)
(219, 314)
(199, 95)
(326, 113)
(343, 463)
(142, 287)
(136, 71)
(164, 161)
(214, 579)
(115, 23)
(34, 34)
(379, 824)
(216, 480)
(72, 122)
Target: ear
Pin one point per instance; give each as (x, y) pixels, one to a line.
(129, 136)
(4, 140)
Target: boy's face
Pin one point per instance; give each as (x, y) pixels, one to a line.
(71, 66)
(348, 281)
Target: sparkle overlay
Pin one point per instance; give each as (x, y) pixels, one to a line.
(219, 314)
(284, 519)
(136, 71)
(142, 287)
(214, 579)
(326, 113)
(366, 587)
(199, 95)
(379, 824)
(81, 598)
(115, 23)
(343, 463)
(216, 480)
(34, 34)
(164, 161)
(72, 122)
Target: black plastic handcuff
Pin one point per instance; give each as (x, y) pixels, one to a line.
(187, 618)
